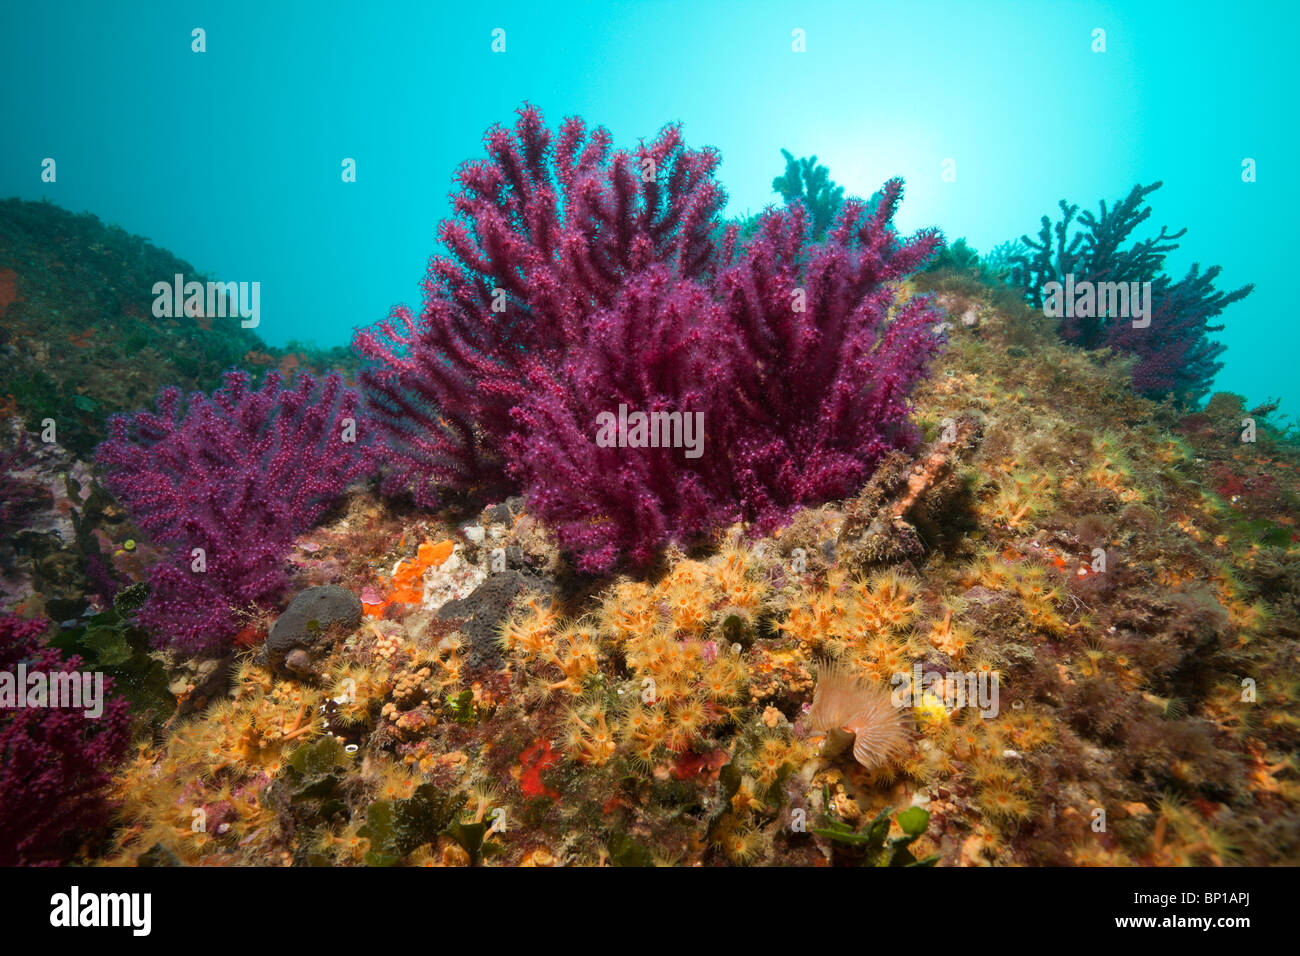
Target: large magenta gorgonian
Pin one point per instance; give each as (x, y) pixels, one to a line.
(822, 354)
(579, 280)
(225, 482)
(545, 236)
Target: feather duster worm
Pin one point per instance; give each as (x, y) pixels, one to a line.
(846, 710)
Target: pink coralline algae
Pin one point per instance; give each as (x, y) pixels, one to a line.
(20, 498)
(226, 482)
(580, 280)
(55, 761)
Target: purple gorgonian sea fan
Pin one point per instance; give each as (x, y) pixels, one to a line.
(55, 761)
(653, 351)
(545, 236)
(823, 352)
(579, 279)
(225, 482)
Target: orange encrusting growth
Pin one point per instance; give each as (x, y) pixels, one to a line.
(408, 577)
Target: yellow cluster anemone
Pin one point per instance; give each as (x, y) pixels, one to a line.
(589, 738)
(1027, 580)
(530, 634)
(1021, 497)
(224, 757)
(952, 639)
(1005, 793)
(684, 673)
(869, 614)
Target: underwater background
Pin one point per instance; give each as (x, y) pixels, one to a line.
(231, 159)
(646, 438)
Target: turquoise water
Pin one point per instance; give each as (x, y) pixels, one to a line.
(231, 158)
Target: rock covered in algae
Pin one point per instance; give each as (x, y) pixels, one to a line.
(485, 609)
(313, 618)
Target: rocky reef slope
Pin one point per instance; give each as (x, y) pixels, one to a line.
(1128, 572)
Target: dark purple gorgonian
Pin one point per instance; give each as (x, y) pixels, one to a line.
(225, 483)
(584, 284)
(1172, 346)
(55, 761)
